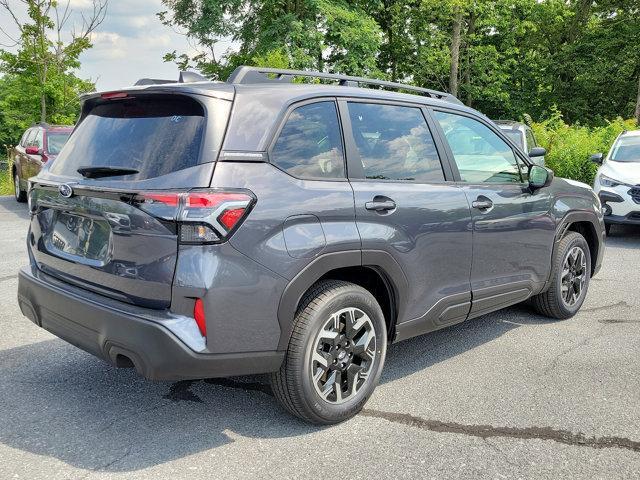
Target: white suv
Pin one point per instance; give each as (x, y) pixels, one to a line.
(618, 180)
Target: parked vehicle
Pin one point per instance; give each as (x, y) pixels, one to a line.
(618, 180)
(39, 144)
(205, 229)
(522, 136)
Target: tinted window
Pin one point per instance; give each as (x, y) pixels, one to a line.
(154, 135)
(56, 140)
(310, 144)
(481, 156)
(394, 143)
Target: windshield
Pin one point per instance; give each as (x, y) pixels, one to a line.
(153, 135)
(56, 140)
(626, 149)
(515, 136)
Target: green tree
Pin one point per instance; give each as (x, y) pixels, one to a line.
(312, 34)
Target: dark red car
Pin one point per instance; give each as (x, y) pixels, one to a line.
(38, 145)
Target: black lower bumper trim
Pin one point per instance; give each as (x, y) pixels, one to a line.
(631, 219)
(118, 337)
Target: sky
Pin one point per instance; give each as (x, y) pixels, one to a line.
(129, 44)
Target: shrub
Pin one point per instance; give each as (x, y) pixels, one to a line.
(570, 146)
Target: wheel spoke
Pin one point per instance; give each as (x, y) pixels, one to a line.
(343, 355)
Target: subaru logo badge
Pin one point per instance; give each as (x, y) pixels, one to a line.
(65, 190)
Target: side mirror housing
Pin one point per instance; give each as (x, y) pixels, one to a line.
(537, 152)
(540, 177)
(32, 151)
(597, 158)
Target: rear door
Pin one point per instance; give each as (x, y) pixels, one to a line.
(407, 207)
(116, 234)
(513, 231)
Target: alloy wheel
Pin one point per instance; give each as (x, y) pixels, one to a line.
(344, 352)
(574, 276)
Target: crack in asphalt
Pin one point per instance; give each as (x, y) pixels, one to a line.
(489, 431)
(622, 304)
(180, 391)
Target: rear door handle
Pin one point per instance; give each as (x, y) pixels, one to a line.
(482, 203)
(380, 205)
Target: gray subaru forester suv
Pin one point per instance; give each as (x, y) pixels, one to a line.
(264, 225)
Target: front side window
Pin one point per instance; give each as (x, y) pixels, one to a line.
(394, 143)
(480, 154)
(310, 143)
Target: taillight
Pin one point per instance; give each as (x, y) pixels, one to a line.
(209, 216)
(44, 158)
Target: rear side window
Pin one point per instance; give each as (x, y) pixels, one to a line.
(153, 135)
(531, 141)
(480, 154)
(310, 143)
(394, 143)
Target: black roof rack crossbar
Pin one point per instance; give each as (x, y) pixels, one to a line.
(248, 75)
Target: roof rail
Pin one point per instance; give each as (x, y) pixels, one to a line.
(184, 77)
(248, 75)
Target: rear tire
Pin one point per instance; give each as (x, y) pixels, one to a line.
(335, 354)
(21, 195)
(570, 276)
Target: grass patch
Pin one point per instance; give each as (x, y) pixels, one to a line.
(6, 185)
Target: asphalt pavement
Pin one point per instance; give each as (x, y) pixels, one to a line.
(508, 395)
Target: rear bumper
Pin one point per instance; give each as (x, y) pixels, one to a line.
(111, 333)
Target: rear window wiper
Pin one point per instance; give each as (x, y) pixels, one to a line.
(105, 171)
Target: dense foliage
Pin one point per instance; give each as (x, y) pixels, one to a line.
(570, 146)
(504, 57)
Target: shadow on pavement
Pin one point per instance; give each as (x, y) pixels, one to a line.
(61, 402)
(10, 209)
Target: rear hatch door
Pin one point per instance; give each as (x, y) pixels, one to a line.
(109, 230)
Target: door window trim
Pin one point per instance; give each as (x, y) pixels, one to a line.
(283, 121)
(517, 155)
(355, 171)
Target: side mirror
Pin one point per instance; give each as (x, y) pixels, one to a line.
(540, 177)
(32, 151)
(597, 158)
(537, 152)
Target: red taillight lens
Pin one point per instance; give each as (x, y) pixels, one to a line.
(199, 317)
(204, 216)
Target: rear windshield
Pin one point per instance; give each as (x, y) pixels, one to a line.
(153, 135)
(56, 140)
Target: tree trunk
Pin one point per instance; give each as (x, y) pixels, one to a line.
(471, 30)
(638, 104)
(455, 54)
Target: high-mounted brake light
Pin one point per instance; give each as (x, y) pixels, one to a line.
(204, 216)
(114, 95)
